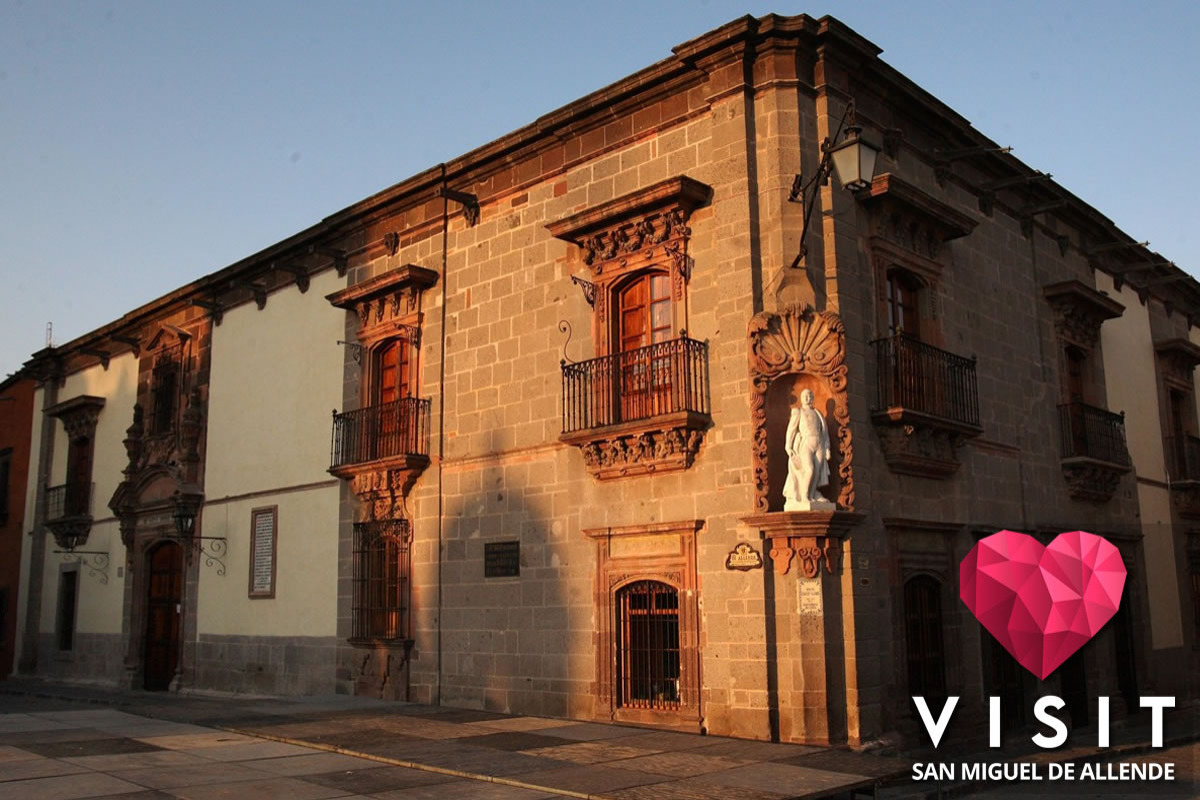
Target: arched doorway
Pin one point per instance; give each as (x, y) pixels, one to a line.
(648, 663)
(164, 603)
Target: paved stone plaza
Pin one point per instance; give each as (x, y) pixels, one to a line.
(60, 742)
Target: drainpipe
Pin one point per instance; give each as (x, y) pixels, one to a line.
(437, 699)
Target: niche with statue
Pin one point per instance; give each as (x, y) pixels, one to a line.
(803, 446)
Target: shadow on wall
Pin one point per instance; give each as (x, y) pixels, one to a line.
(506, 637)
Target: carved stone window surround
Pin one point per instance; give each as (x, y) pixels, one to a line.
(388, 308)
(663, 552)
(909, 229)
(79, 416)
(640, 232)
(1079, 311)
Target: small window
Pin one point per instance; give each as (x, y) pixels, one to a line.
(648, 646)
(165, 391)
(68, 596)
(380, 577)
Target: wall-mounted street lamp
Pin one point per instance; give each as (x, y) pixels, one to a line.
(852, 158)
(187, 501)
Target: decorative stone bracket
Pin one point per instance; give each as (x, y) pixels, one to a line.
(383, 486)
(1185, 495)
(661, 444)
(812, 537)
(1079, 311)
(386, 301)
(1091, 479)
(920, 444)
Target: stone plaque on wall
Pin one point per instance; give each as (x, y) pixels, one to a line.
(502, 559)
(810, 596)
(263, 540)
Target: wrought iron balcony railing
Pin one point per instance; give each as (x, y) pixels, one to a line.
(68, 500)
(916, 376)
(662, 378)
(1183, 457)
(398, 428)
(1090, 432)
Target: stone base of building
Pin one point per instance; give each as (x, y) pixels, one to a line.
(282, 665)
(93, 657)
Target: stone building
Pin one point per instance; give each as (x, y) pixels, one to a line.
(563, 365)
(16, 419)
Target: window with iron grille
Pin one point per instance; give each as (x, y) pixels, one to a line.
(923, 632)
(648, 646)
(165, 389)
(380, 570)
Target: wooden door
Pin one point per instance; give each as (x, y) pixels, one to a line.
(163, 606)
(1075, 396)
(393, 424)
(645, 374)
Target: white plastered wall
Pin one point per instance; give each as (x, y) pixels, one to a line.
(1133, 388)
(276, 376)
(100, 603)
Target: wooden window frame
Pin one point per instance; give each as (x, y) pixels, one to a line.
(255, 513)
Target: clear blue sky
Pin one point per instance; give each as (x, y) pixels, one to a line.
(147, 143)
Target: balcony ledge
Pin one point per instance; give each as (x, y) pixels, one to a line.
(663, 443)
(1185, 496)
(1092, 479)
(921, 444)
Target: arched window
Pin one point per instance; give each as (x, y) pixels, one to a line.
(923, 639)
(648, 646)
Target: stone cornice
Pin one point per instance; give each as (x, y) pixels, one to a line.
(679, 192)
(399, 279)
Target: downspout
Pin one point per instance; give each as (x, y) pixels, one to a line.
(437, 699)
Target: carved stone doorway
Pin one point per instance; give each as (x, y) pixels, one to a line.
(163, 606)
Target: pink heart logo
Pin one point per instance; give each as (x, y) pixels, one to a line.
(1042, 603)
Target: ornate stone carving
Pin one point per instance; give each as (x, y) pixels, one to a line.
(912, 219)
(1177, 359)
(1092, 480)
(133, 440)
(384, 490)
(640, 448)
(920, 449)
(643, 231)
(799, 340)
(385, 300)
(813, 539)
(79, 415)
(1079, 311)
(1185, 496)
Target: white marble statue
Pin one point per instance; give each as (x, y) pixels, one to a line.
(807, 447)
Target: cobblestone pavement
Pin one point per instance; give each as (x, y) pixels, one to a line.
(61, 743)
